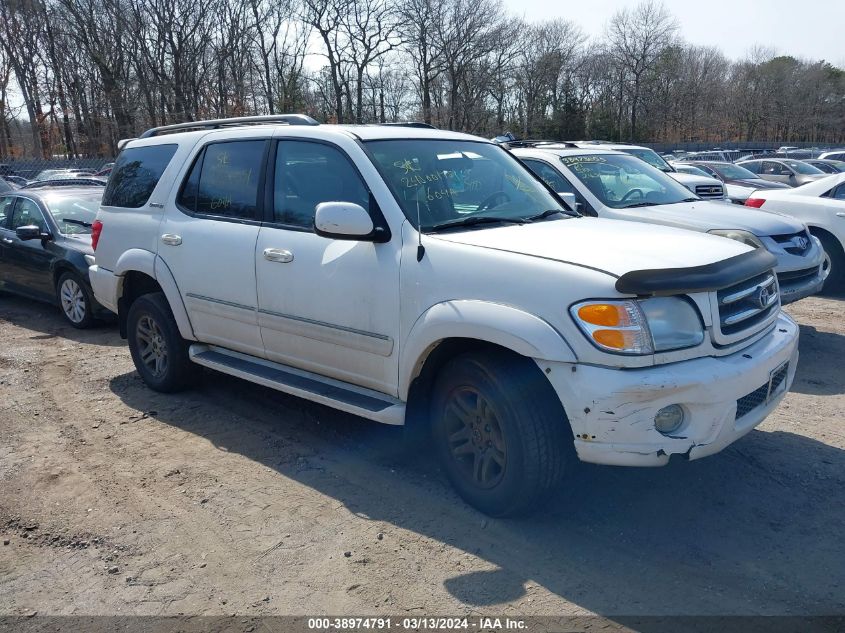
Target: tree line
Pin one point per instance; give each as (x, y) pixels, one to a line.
(78, 75)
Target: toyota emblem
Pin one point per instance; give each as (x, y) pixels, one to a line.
(763, 297)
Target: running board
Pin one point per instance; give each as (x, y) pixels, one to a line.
(333, 393)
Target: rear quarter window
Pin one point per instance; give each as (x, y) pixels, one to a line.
(136, 173)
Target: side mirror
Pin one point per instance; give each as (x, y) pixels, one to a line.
(343, 221)
(30, 232)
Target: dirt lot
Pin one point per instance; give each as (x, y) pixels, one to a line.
(238, 499)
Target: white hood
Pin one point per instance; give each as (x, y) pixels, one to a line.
(612, 246)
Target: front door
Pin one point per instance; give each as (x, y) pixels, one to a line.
(27, 263)
(207, 240)
(324, 305)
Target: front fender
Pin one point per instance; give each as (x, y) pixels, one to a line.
(503, 325)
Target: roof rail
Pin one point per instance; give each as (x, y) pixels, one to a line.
(418, 124)
(284, 119)
(534, 143)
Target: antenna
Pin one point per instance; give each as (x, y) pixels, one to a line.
(420, 247)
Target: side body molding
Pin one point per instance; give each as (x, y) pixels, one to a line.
(496, 323)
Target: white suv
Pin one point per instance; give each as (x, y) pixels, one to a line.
(423, 277)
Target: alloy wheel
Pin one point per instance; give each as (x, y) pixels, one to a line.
(475, 437)
(152, 346)
(73, 300)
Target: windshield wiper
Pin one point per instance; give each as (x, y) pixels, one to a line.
(77, 222)
(546, 214)
(473, 220)
(641, 204)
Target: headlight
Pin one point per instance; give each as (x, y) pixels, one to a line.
(641, 327)
(740, 236)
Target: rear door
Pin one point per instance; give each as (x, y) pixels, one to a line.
(207, 240)
(27, 263)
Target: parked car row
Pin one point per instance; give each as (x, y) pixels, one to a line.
(484, 295)
(54, 177)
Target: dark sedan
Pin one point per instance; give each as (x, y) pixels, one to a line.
(739, 182)
(45, 248)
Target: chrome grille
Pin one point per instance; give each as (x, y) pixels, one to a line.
(709, 192)
(749, 304)
(794, 243)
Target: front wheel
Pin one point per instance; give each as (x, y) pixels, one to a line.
(500, 432)
(158, 350)
(834, 264)
(75, 300)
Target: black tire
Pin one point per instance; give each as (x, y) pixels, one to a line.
(158, 350)
(500, 432)
(835, 259)
(75, 300)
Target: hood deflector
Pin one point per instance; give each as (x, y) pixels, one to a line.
(706, 278)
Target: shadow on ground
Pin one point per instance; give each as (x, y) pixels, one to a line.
(820, 365)
(755, 529)
(47, 322)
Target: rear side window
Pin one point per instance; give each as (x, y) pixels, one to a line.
(6, 203)
(224, 179)
(136, 173)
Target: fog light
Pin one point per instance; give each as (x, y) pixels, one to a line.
(669, 419)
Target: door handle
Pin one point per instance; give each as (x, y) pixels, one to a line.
(6, 240)
(278, 255)
(171, 240)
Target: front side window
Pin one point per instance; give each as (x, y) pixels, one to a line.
(27, 213)
(620, 181)
(223, 181)
(310, 173)
(135, 175)
(803, 168)
(772, 168)
(437, 182)
(74, 214)
(550, 176)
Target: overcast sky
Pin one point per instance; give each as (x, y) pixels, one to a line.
(812, 29)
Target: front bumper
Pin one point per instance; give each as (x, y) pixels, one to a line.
(612, 411)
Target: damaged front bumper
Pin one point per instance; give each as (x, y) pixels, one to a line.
(612, 410)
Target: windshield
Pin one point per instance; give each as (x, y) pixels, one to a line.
(74, 213)
(691, 169)
(733, 172)
(802, 168)
(448, 181)
(650, 156)
(622, 182)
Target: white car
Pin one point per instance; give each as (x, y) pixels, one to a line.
(837, 154)
(611, 184)
(427, 278)
(821, 206)
(705, 187)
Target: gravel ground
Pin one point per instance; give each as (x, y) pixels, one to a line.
(236, 499)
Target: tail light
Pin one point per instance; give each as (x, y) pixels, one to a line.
(96, 229)
(755, 202)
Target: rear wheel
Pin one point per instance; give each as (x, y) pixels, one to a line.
(500, 432)
(834, 263)
(158, 350)
(75, 301)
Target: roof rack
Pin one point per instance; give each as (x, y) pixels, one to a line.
(534, 143)
(284, 119)
(417, 124)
